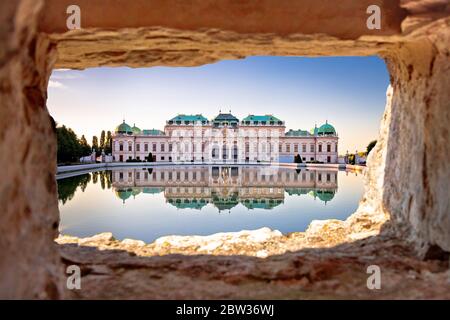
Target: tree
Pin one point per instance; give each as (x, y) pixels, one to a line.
(108, 143)
(371, 145)
(102, 140)
(85, 147)
(95, 144)
(150, 157)
(298, 159)
(68, 145)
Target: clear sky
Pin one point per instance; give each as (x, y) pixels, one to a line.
(349, 92)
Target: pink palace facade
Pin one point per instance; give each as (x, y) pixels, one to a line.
(225, 139)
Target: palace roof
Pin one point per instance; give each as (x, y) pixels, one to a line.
(297, 133)
(225, 117)
(152, 132)
(188, 119)
(259, 118)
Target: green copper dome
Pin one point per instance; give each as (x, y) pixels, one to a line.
(124, 128)
(135, 130)
(326, 129)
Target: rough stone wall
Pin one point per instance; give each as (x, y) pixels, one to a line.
(417, 171)
(408, 173)
(407, 180)
(29, 262)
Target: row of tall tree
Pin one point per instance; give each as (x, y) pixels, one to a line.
(105, 142)
(71, 148)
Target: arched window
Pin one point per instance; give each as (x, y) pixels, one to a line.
(235, 152)
(224, 152)
(215, 152)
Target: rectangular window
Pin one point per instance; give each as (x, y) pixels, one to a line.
(304, 148)
(328, 147)
(154, 147)
(162, 158)
(162, 175)
(130, 147)
(280, 148)
(320, 148)
(121, 147)
(296, 147)
(170, 147)
(163, 147)
(138, 175)
(312, 148)
(288, 148)
(146, 147)
(146, 175)
(138, 157)
(138, 147)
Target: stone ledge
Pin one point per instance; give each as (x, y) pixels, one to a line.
(258, 243)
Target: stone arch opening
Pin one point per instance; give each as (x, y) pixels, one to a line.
(408, 172)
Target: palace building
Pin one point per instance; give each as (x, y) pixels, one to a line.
(225, 139)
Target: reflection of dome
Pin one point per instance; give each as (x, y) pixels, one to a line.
(326, 129)
(136, 191)
(124, 194)
(323, 195)
(124, 128)
(135, 130)
(225, 203)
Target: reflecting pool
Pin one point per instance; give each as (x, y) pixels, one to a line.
(146, 203)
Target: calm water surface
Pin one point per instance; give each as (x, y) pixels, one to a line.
(147, 203)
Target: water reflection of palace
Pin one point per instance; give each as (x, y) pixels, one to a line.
(225, 186)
